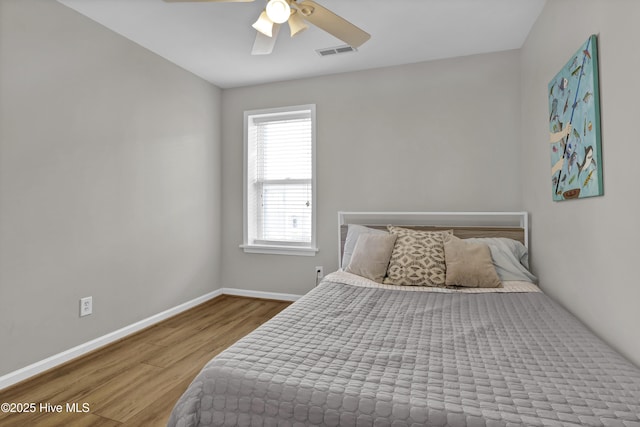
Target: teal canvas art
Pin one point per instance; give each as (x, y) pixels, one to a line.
(574, 127)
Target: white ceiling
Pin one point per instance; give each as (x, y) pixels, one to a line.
(214, 40)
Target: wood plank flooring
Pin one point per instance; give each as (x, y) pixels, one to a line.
(137, 380)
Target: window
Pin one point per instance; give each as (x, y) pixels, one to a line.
(279, 188)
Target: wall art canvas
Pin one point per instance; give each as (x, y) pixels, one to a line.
(574, 127)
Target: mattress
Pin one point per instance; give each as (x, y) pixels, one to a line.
(350, 353)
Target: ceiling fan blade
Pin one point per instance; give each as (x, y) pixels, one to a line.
(333, 24)
(210, 1)
(263, 45)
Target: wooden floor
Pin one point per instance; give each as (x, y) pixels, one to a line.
(137, 380)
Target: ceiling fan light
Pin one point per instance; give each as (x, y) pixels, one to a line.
(296, 24)
(278, 11)
(264, 24)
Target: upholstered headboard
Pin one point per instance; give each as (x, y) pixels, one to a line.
(514, 225)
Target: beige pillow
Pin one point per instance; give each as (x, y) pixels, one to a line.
(417, 258)
(469, 264)
(371, 256)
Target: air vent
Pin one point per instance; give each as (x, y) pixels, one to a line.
(336, 50)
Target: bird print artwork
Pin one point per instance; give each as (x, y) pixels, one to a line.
(564, 83)
(554, 109)
(574, 126)
(587, 159)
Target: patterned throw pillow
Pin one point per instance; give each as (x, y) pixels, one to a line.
(417, 258)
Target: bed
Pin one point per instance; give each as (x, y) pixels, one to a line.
(355, 352)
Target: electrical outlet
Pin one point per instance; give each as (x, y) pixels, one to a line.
(319, 272)
(86, 306)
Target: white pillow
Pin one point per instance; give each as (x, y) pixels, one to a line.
(353, 232)
(510, 258)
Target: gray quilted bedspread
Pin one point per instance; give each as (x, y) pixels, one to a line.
(351, 356)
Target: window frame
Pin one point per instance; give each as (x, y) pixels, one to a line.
(274, 247)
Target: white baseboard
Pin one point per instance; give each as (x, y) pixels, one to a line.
(60, 358)
(260, 294)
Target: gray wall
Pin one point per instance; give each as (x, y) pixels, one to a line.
(432, 136)
(585, 251)
(110, 181)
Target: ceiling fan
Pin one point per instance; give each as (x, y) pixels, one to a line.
(295, 13)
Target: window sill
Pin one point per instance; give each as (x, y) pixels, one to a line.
(279, 250)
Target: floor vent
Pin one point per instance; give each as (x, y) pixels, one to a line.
(336, 50)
